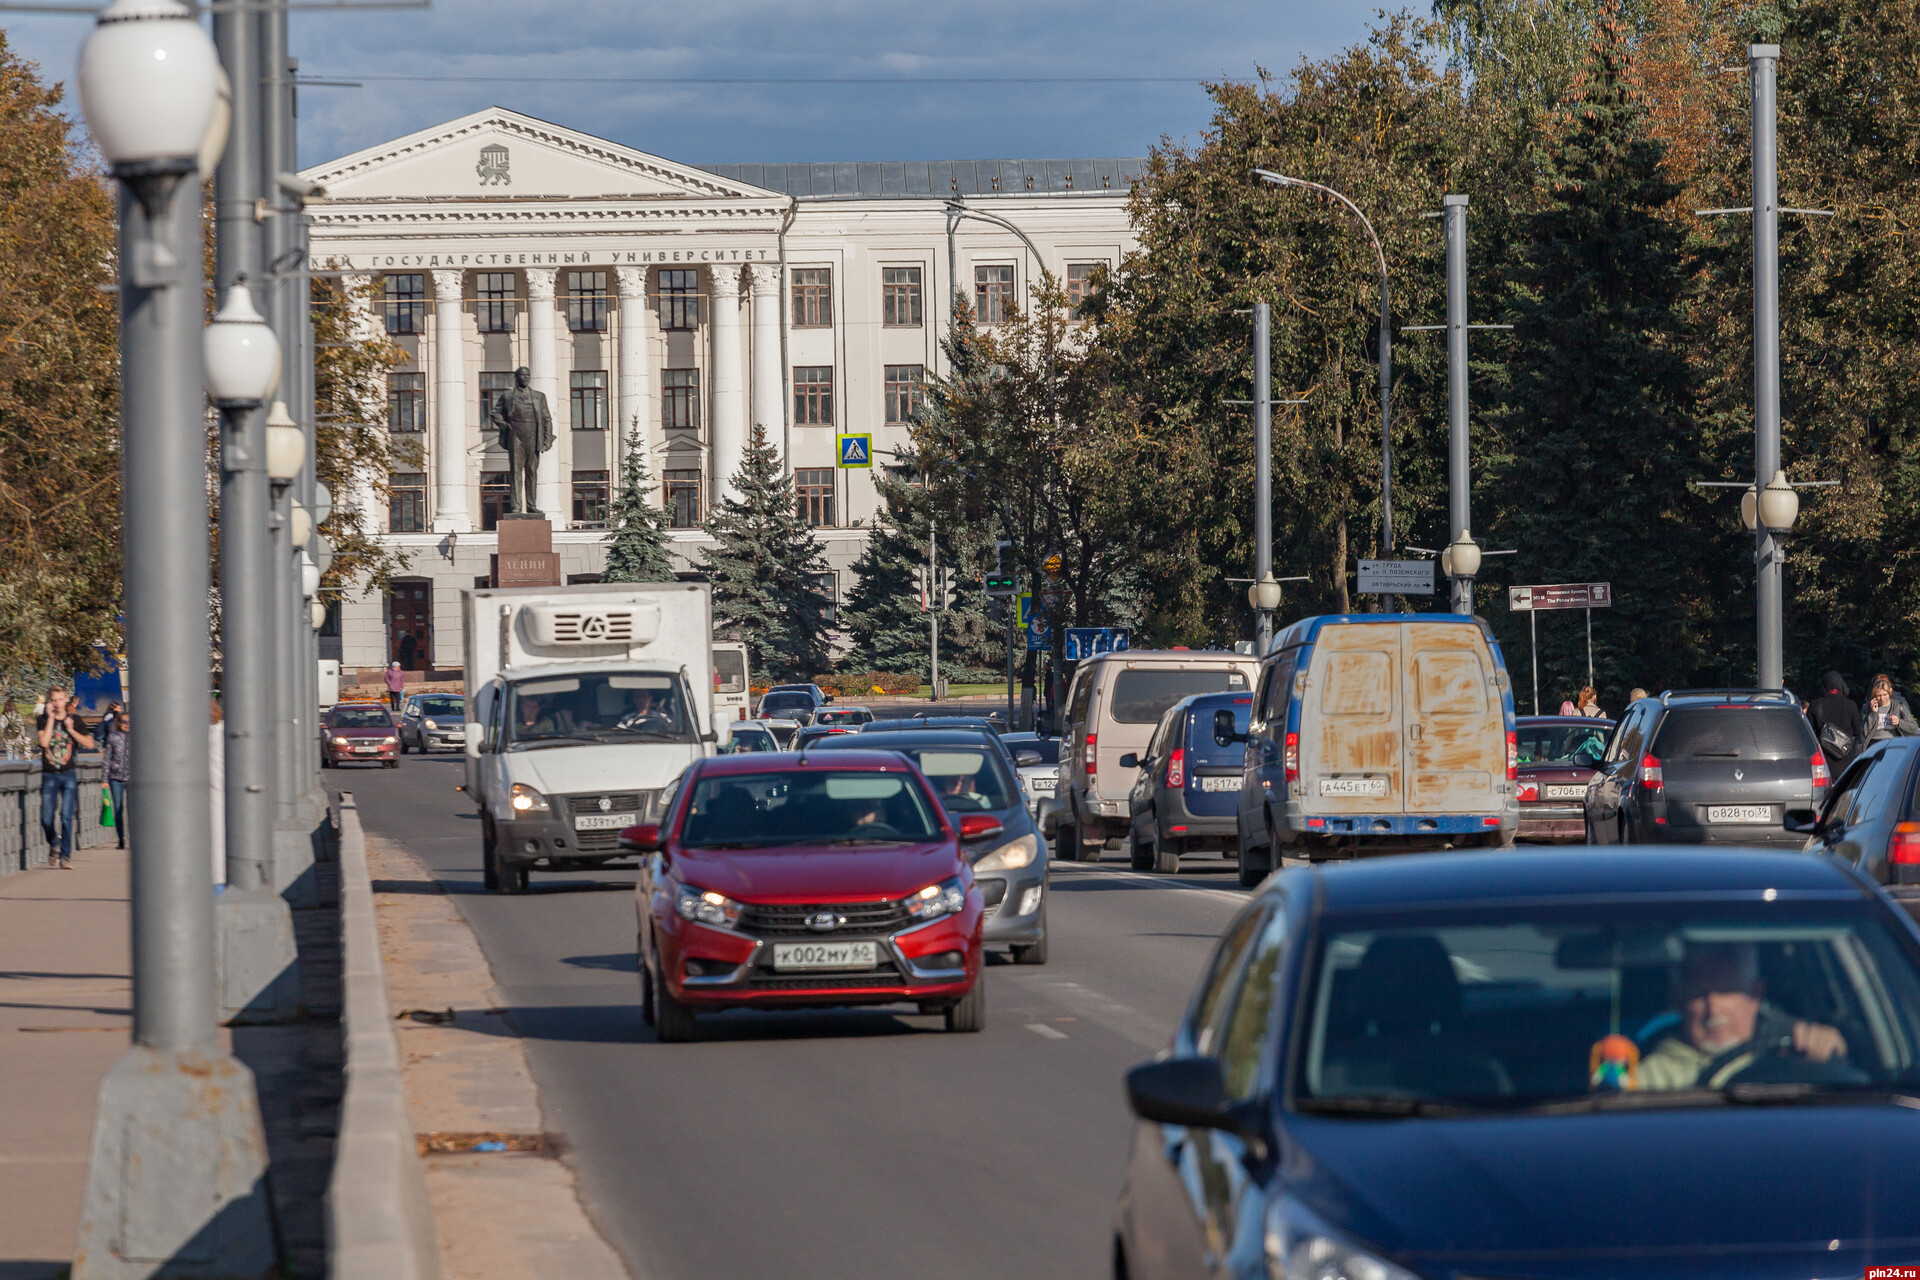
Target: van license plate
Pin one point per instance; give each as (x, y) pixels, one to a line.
(1566, 792)
(1353, 786)
(605, 821)
(1739, 813)
(824, 955)
(1220, 784)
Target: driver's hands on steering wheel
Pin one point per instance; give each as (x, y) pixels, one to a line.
(1818, 1042)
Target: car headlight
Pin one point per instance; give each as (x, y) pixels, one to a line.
(1300, 1246)
(432, 725)
(1012, 855)
(936, 900)
(389, 740)
(341, 742)
(525, 799)
(706, 906)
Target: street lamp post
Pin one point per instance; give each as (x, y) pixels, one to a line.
(176, 1168)
(1386, 351)
(1762, 60)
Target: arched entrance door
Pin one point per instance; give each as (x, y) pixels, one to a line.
(410, 625)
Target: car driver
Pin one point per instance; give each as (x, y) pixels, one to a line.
(1725, 1024)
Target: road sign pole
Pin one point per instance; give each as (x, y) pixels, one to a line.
(1761, 59)
(1262, 471)
(1458, 477)
(1533, 628)
(1589, 646)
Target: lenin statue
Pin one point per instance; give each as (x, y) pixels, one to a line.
(526, 432)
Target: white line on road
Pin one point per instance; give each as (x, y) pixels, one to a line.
(1143, 880)
(1044, 1031)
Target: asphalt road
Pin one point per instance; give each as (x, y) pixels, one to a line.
(837, 1144)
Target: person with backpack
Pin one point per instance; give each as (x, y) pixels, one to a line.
(1836, 723)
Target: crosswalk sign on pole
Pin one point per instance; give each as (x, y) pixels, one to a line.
(1026, 607)
(855, 451)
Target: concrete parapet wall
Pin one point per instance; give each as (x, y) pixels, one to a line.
(22, 844)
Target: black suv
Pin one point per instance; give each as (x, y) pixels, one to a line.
(1707, 766)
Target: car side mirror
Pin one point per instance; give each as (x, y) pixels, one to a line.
(1130, 761)
(643, 838)
(829, 697)
(980, 826)
(1803, 822)
(1586, 759)
(1192, 1092)
(1224, 734)
(1026, 759)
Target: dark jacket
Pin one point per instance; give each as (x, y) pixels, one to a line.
(1834, 710)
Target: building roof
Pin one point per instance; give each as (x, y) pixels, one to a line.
(933, 179)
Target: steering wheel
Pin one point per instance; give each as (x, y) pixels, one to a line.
(635, 719)
(1782, 1065)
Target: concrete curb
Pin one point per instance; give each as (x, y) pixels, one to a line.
(379, 1222)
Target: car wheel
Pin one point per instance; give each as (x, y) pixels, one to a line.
(969, 1013)
(513, 875)
(1033, 952)
(393, 764)
(646, 982)
(1166, 856)
(1620, 833)
(1255, 863)
(672, 1020)
(489, 857)
(1139, 853)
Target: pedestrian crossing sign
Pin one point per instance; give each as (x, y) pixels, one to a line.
(855, 451)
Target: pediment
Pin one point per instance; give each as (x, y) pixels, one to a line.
(500, 154)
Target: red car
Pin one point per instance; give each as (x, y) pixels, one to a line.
(780, 881)
(1557, 754)
(358, 733)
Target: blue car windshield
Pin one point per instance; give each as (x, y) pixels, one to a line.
(1594, 1007)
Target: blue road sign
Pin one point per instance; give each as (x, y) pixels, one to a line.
(1084, 642)
(1026, 607)
(855, 451)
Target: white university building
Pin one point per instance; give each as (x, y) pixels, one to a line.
(688, 304)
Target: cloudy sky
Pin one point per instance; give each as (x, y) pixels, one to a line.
(954, 71)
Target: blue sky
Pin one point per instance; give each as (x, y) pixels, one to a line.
(719, 123)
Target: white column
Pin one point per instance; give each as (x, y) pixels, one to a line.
(450, 513)
(769, 392)
(543, 361)
(636, 380)
(729, 390)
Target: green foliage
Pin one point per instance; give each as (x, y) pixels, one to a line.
(766, 571)
(637, 527)
(882, 615)
(354, 453)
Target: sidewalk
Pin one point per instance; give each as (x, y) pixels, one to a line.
(66, 1015)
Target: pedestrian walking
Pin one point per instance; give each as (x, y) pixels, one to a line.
(1836, 723)
(1588, 704)
(1568, 709)
(1885, 714)
(396, 682)
(116, 766)
(60, 735)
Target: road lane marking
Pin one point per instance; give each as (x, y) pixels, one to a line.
(1142, 880)
(1046, 1032)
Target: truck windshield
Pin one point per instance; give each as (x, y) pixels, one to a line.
(615, 706)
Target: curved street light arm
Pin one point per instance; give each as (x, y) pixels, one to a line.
(1282, 180)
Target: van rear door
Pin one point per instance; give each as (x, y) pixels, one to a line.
(1456, 744)
(1351, 757)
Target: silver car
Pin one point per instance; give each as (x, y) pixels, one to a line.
(1037, 762)
(433, 722)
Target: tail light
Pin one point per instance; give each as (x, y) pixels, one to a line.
(1292, 759)
(1513, 755)
(1905, 845)
(1086, 753)
(1529, 791)
(1821, 774)
(1651, 776)
(1177, 767)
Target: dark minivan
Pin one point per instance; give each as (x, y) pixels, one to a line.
(1707, 766)
(1188, 792)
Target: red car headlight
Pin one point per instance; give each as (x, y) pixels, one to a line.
(936, 900)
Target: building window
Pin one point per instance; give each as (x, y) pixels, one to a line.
(813, 495)
(406, 402)
(993, 294)
(900, 296)
(903, 391)
(683, 499)
(680, 399)
(406, 304)
(587, 301)
(407, 502)
(330, 623)
(812, 298)
(590, 498)
(679, 299)
(495, 488)
(830, 588)
(587, 394)
(813, 397)
(495, 301)
(1080, 285)
(492, 387)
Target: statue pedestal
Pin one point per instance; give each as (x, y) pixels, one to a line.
(525, 557)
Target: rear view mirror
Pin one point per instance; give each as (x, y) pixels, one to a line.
(1026, 759)
(1224, 734)
(1130, 761)
(1804, 822)
(644, 838)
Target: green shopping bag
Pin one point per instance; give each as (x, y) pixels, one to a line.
(106, 806)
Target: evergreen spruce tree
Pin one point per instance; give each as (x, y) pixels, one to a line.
(766, 571)
(883, 616)
(637, 529)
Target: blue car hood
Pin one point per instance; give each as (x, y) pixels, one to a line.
(1739, 1191)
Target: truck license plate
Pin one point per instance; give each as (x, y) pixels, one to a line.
(1220, 784)
(824, 955)
(605, 821)
(1565, 792)
(1739, 813)
(1353, 786)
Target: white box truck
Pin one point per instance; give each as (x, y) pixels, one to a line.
(583, 704)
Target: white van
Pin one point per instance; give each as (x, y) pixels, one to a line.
(1113, 706)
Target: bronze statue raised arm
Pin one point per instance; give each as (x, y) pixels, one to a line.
(526, 431)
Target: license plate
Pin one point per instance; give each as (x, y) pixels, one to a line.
(1042, 784)
(1739, 813)
(366, 750)
(1222, 784)
(825, 955)
(604, 821)
(1353, 786)
(1565, 792)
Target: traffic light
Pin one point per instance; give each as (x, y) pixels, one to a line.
(1001, 581)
